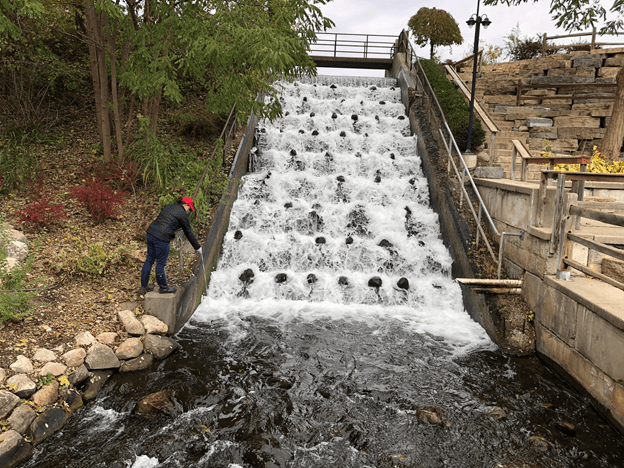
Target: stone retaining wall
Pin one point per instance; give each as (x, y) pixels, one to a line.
(561, 125)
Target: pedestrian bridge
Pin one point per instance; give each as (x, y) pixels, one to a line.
(344, 50)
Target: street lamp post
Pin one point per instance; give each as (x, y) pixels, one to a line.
(478, 20)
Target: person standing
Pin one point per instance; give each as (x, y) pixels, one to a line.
(159, 235)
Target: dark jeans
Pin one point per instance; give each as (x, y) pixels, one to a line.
(157, 251)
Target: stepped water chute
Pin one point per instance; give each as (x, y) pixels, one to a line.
(337, 194)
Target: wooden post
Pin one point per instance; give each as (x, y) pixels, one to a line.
(513, 163)
(560, 199)
(580, 195)
(564, 249)
(524, 169)
(593, 41)
(541, 200)
(544, 45)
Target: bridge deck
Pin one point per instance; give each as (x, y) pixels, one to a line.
(352, 62)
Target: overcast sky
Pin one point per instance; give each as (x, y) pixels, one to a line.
(391, 16)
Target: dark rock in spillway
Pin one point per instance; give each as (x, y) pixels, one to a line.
(247, 276)
(377, 179)
(349, 240)
(316, 222)
(382, 103)
(375, 282)
(354, 117)
(305, 99)
(288, 205)
(334, 116)
(401, 117)
(281, 278)
(293, 152)
(333, 86)
(320, 240)
(403, 283)
(312, 114)
(343, 134)
(340, 178)
(238, 235)
(343, 281)
(385, 244)
(358, 221)
(315, 133)
(412, 181)
(301, 131)
(373, 88)
(391, 155)
(312, 278)
(358, 154)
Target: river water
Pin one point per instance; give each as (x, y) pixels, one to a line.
(332, 327)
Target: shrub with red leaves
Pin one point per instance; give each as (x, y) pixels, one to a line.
(42, 213)
(98, 198)
(122, 177)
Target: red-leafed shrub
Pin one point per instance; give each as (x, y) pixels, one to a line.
(42, 213)
(98, 198)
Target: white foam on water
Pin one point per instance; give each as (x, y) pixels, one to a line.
(143, 461)
(340, 165)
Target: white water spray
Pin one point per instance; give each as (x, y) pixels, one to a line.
(334, 221)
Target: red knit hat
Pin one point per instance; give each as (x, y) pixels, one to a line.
(189, 202)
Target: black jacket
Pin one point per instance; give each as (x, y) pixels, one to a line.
(171, 218)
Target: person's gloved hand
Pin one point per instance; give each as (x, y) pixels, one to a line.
(199, 251)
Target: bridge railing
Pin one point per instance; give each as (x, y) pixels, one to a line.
(353, 45)
(462, 172)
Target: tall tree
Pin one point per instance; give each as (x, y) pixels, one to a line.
(236, 47)
(435, 26)
(580, 14)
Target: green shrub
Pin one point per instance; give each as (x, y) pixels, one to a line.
(17, 162)
(15, 302)
(78, 259)
(456, 109)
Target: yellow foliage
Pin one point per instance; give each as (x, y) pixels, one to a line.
(597, 165)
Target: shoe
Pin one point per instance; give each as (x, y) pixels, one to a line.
(146, 289)
(167, 290)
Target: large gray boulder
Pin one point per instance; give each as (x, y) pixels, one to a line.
(21, 418)
(129, 349)
(22, 365)
(21, 385)
(8, 401)
(159, 346)
(13, 449)
(47, 395)
(95, 383)
(131, 323)
(144, 361)
(47, 423)
(79, 375)
(75, 357)
(101, 356)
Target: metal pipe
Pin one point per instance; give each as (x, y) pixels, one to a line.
(490, 282)
(516, 291)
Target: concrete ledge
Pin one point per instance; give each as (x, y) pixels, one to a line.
(164, 307)
(599, 297)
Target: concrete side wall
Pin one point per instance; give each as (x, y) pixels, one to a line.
(455, 231)
(580, 338)
(175, 309)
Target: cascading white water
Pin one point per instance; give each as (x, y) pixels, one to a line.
(335, 221)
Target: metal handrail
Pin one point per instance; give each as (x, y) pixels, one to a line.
(335, 44)
(465, 173)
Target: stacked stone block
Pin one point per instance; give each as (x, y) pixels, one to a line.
(562, 126)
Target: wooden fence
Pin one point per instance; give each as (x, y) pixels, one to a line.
(567, 214)
(592, 45)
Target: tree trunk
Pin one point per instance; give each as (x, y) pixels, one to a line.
(95, 25)
(431, 53)
(112, 40)
(612, 141)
